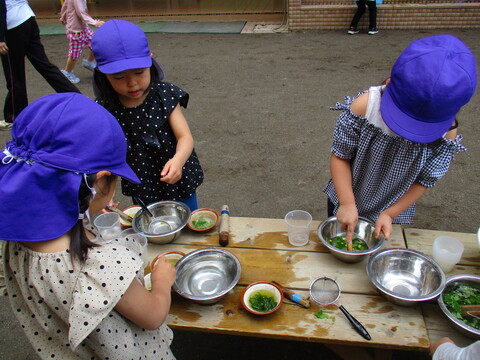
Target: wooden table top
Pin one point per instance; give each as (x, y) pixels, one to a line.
(261, 245)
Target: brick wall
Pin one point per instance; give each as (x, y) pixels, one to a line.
(392, 14)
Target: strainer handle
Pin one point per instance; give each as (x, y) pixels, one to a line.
(356, 324)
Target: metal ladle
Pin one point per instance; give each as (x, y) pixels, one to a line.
(156, 225)
(325, 291)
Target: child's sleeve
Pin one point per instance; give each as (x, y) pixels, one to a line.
(438, 163)
(345, 135)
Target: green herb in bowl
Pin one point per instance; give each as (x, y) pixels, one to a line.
(462, 295)
(262, 301)
(202, 223)
(340, 243)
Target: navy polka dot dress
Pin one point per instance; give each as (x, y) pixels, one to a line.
(151, 143)
(67, 309)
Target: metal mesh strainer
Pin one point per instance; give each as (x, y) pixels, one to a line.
(325, 291)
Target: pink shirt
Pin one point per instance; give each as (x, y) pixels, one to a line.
(75, 16)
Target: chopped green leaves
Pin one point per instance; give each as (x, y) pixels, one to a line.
(262, 301)
(202, 223)
(462, 295)
(340, 243)
(321, 315)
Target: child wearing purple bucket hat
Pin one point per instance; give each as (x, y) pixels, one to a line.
(75, 298)
(128, 83)
(394, 141)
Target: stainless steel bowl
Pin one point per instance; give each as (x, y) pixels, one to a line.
(331, 228)
(169, 218)
(405, 277)
(452, 282)
(207, 275)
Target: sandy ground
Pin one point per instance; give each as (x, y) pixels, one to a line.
(259, 112)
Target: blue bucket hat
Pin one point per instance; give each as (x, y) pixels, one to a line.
(55, 141)
(430, 81)
(120, 45)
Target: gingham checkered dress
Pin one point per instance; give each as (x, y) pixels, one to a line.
(385, 166)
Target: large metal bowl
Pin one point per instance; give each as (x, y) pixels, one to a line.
(452, 282)
(169, 218)
(331, 228)
(405, 277)
(207, 275)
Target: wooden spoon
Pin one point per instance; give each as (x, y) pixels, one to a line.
(471, 310)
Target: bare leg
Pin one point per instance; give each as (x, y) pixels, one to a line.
(90, 56)
(70, 64)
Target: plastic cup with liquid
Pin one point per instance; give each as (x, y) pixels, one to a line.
(108, 225)
(447, 252)
(298, 224)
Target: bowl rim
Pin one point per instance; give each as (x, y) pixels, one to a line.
(195, 253)
(167, 202)
(426, 258)
(256, 283)
(126, 208)
(166, 253)
(330, 247)
(443, 307)
(217, 218)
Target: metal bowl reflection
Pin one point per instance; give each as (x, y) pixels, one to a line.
(207, 275)
(331, 228)
(452, 283)
(169, 218)
(405, 277)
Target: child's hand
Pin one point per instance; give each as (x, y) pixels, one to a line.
(100, 23)
(383, 224)
(347, 215)
(171, 172)
(163, 271)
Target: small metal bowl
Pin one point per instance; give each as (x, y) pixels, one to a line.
(265, 286)
(331, 228)
(452, 282)
(405, 277)
(169, 218)
(207, 275)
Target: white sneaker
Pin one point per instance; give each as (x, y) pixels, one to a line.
(90, 65)
(71, 76)
(4, 126)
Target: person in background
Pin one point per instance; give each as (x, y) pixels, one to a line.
(20, 38)
(74, 15)
(392, 142)
(128, 83)
(372, 17)
(75, 296)
(445, 349)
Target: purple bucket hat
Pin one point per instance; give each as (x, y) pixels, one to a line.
(430, 81)
(55, 140)
(120, 45)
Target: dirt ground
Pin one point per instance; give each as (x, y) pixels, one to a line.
(259, 113)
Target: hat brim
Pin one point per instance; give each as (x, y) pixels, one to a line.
(408, 127)
(126, 64)
(125, 172)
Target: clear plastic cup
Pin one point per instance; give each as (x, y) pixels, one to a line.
(131, 234)
(298, 224)
(108, 225)
(447, 252)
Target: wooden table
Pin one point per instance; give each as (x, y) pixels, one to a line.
(422, 240)
(263, 250)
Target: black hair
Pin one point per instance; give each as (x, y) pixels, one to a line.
(80, 244)
(105, 89)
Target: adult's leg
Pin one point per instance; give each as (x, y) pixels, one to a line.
(37, 56)
(358, 14)
(372, 14)
(14, 69)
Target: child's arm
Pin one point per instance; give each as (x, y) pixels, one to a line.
(347, 213)
(172, 171)
(149, 309)
(384, 221)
